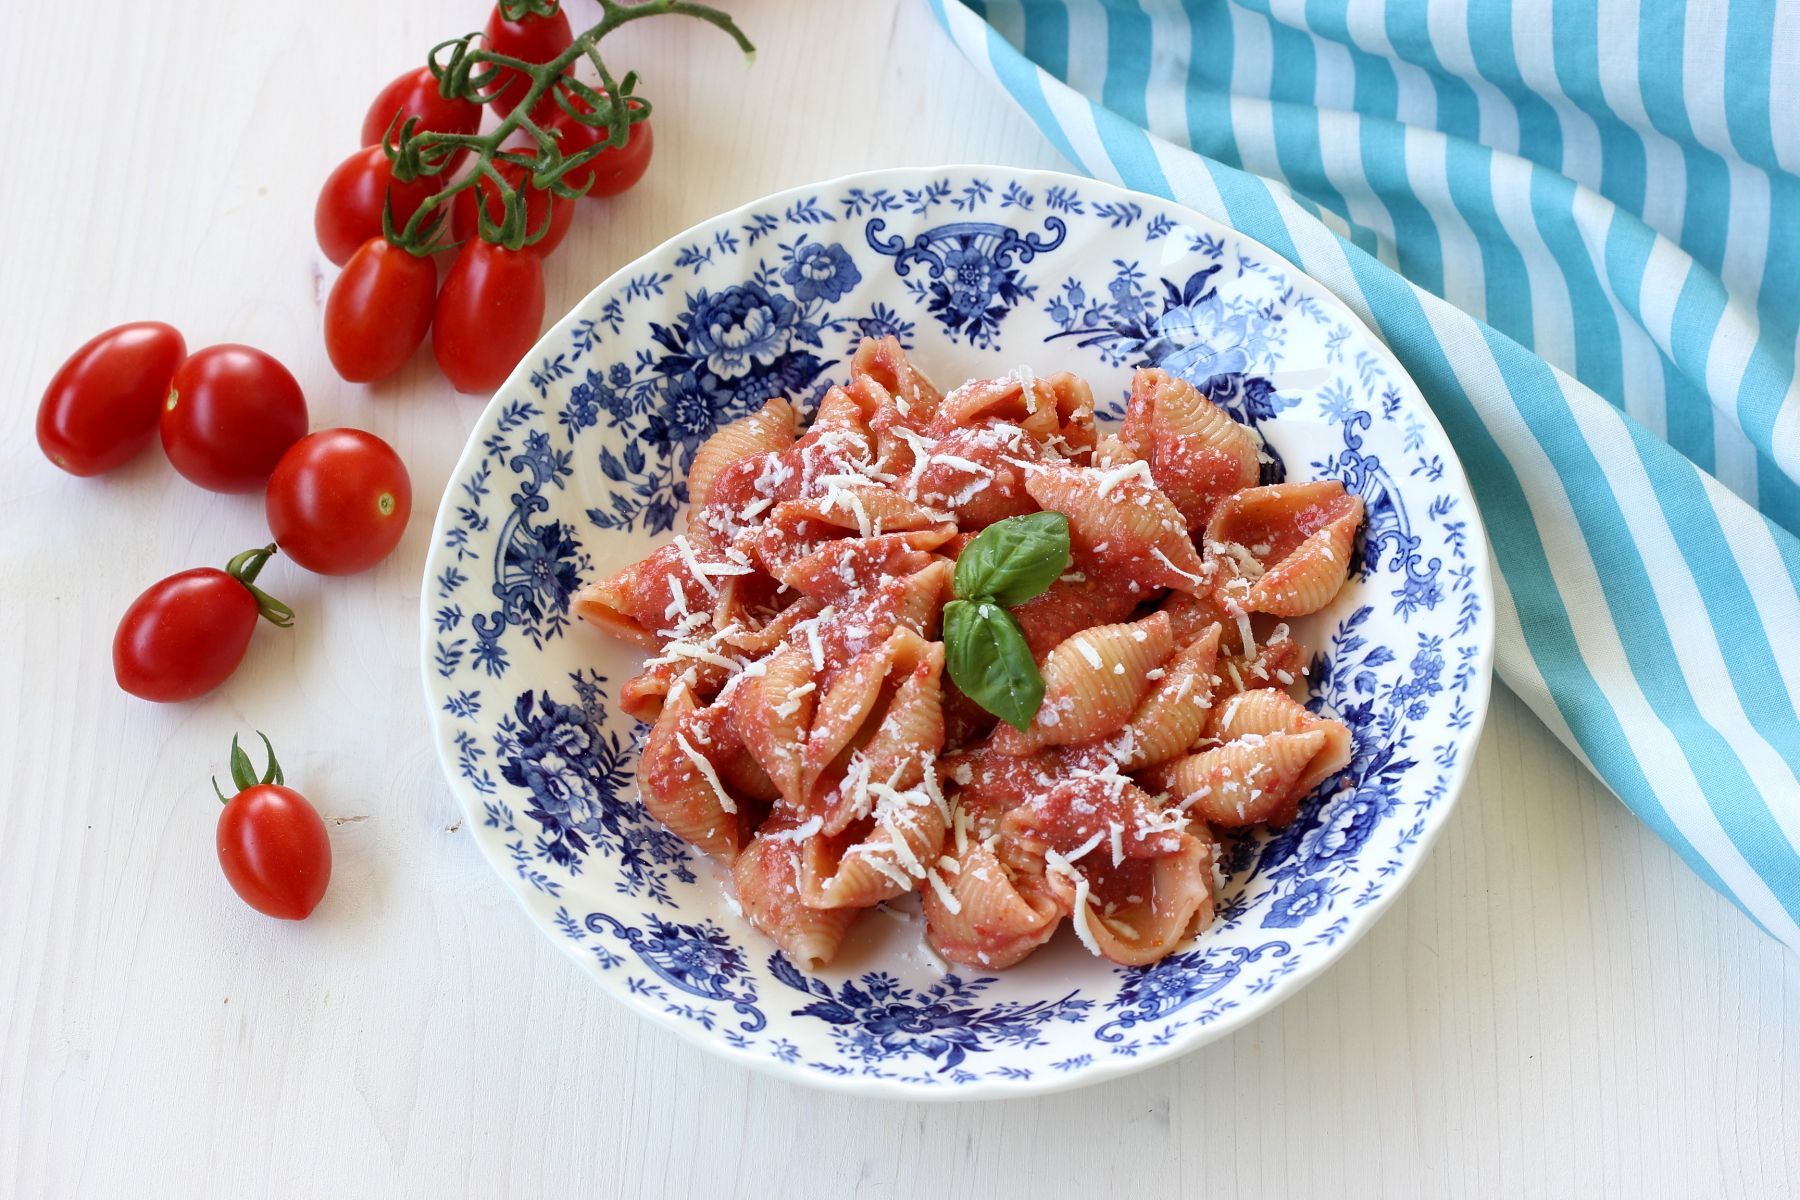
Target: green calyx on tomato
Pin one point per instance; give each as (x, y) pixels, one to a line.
(243, 774)
(245, 568)
(525, 88)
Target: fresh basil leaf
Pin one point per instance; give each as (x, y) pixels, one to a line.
(1013, 560)
(990, 660)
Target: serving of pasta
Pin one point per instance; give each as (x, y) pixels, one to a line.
(969, 645)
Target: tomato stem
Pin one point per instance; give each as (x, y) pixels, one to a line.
(465, 72)
(243, 772)
(245, 568)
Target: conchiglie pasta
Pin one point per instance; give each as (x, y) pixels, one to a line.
(772, 711)
(882, 362)
(771, 428)
(1270, 710)
(1251, 781)
(1122, 527)
(767, 878)
(1176, 712)
(981, 913)
(1286, 548)
(886, 855)
(680, 784)
(1093, 682)
(1197, 454)
(1173, 893)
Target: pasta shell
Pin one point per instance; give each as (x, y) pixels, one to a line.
(993, 917)
(1251, 781)
(771, 428)
(1071, 604)
(1286, 548)
(1198, 455)
(843, 569)
(1271, 710)
(1122, 527)
(1174, 715)
(772, 712)
(882, 361)
(1133, 934)
(886, 859)
(766, 876)
(680, 785)
(1093, 681)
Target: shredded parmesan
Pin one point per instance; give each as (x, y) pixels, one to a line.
(1137, 467)
(1088, 652)
(944, 894)
(1156, 553)
(706, 771)
(800, 832)
(1116, 834)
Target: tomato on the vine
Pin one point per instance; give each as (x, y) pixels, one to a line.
(379, 310)
(349, 209)
(272, 845)
(339, 500)
(540, 206)
(488, 315)
(531, 38)
(614, 170)
(186, 634)
(102, 404)
(416, 94)
(231, 413)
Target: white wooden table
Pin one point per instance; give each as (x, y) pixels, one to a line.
(1557, 1006)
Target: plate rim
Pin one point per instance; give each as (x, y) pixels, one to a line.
(983, 1089)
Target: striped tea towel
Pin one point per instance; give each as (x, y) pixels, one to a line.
(1577, 222)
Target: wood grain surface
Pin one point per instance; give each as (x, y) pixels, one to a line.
(1556, 1007)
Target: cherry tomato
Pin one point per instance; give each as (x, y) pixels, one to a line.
(231, 413)
(101, 406)
(338, 501)
(186, 634)
(379, 311)
(561, 212)
(615, 169)
(349, 209)
(533, 39)
(272, 845)
(416, 94)
(488, 315)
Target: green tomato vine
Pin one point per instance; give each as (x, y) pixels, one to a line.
(466, 71)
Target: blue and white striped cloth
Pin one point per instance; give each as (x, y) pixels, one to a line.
(1577, 222)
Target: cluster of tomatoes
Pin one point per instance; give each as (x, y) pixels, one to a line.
(490, 308)
(231, 419)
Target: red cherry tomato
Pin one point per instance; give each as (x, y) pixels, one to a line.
(615, 169)
(379, 311)
(488, 315)
(186, 634)
(416, 94)
(101, 406)
(338, 501)
(231, 414)
(532, 39)
(561, 210)
(272, 845)
(349, 209)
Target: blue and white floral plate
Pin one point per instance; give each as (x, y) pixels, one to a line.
(577, 468)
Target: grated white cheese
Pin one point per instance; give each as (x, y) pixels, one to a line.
(1088, 652)
(944, 894)
(1156, 553)
(800, 832)
(706, 771)
(1137, 467)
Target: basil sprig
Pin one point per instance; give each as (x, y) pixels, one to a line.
(1008, 563)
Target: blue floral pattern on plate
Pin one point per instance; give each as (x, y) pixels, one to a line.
(578, 467)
